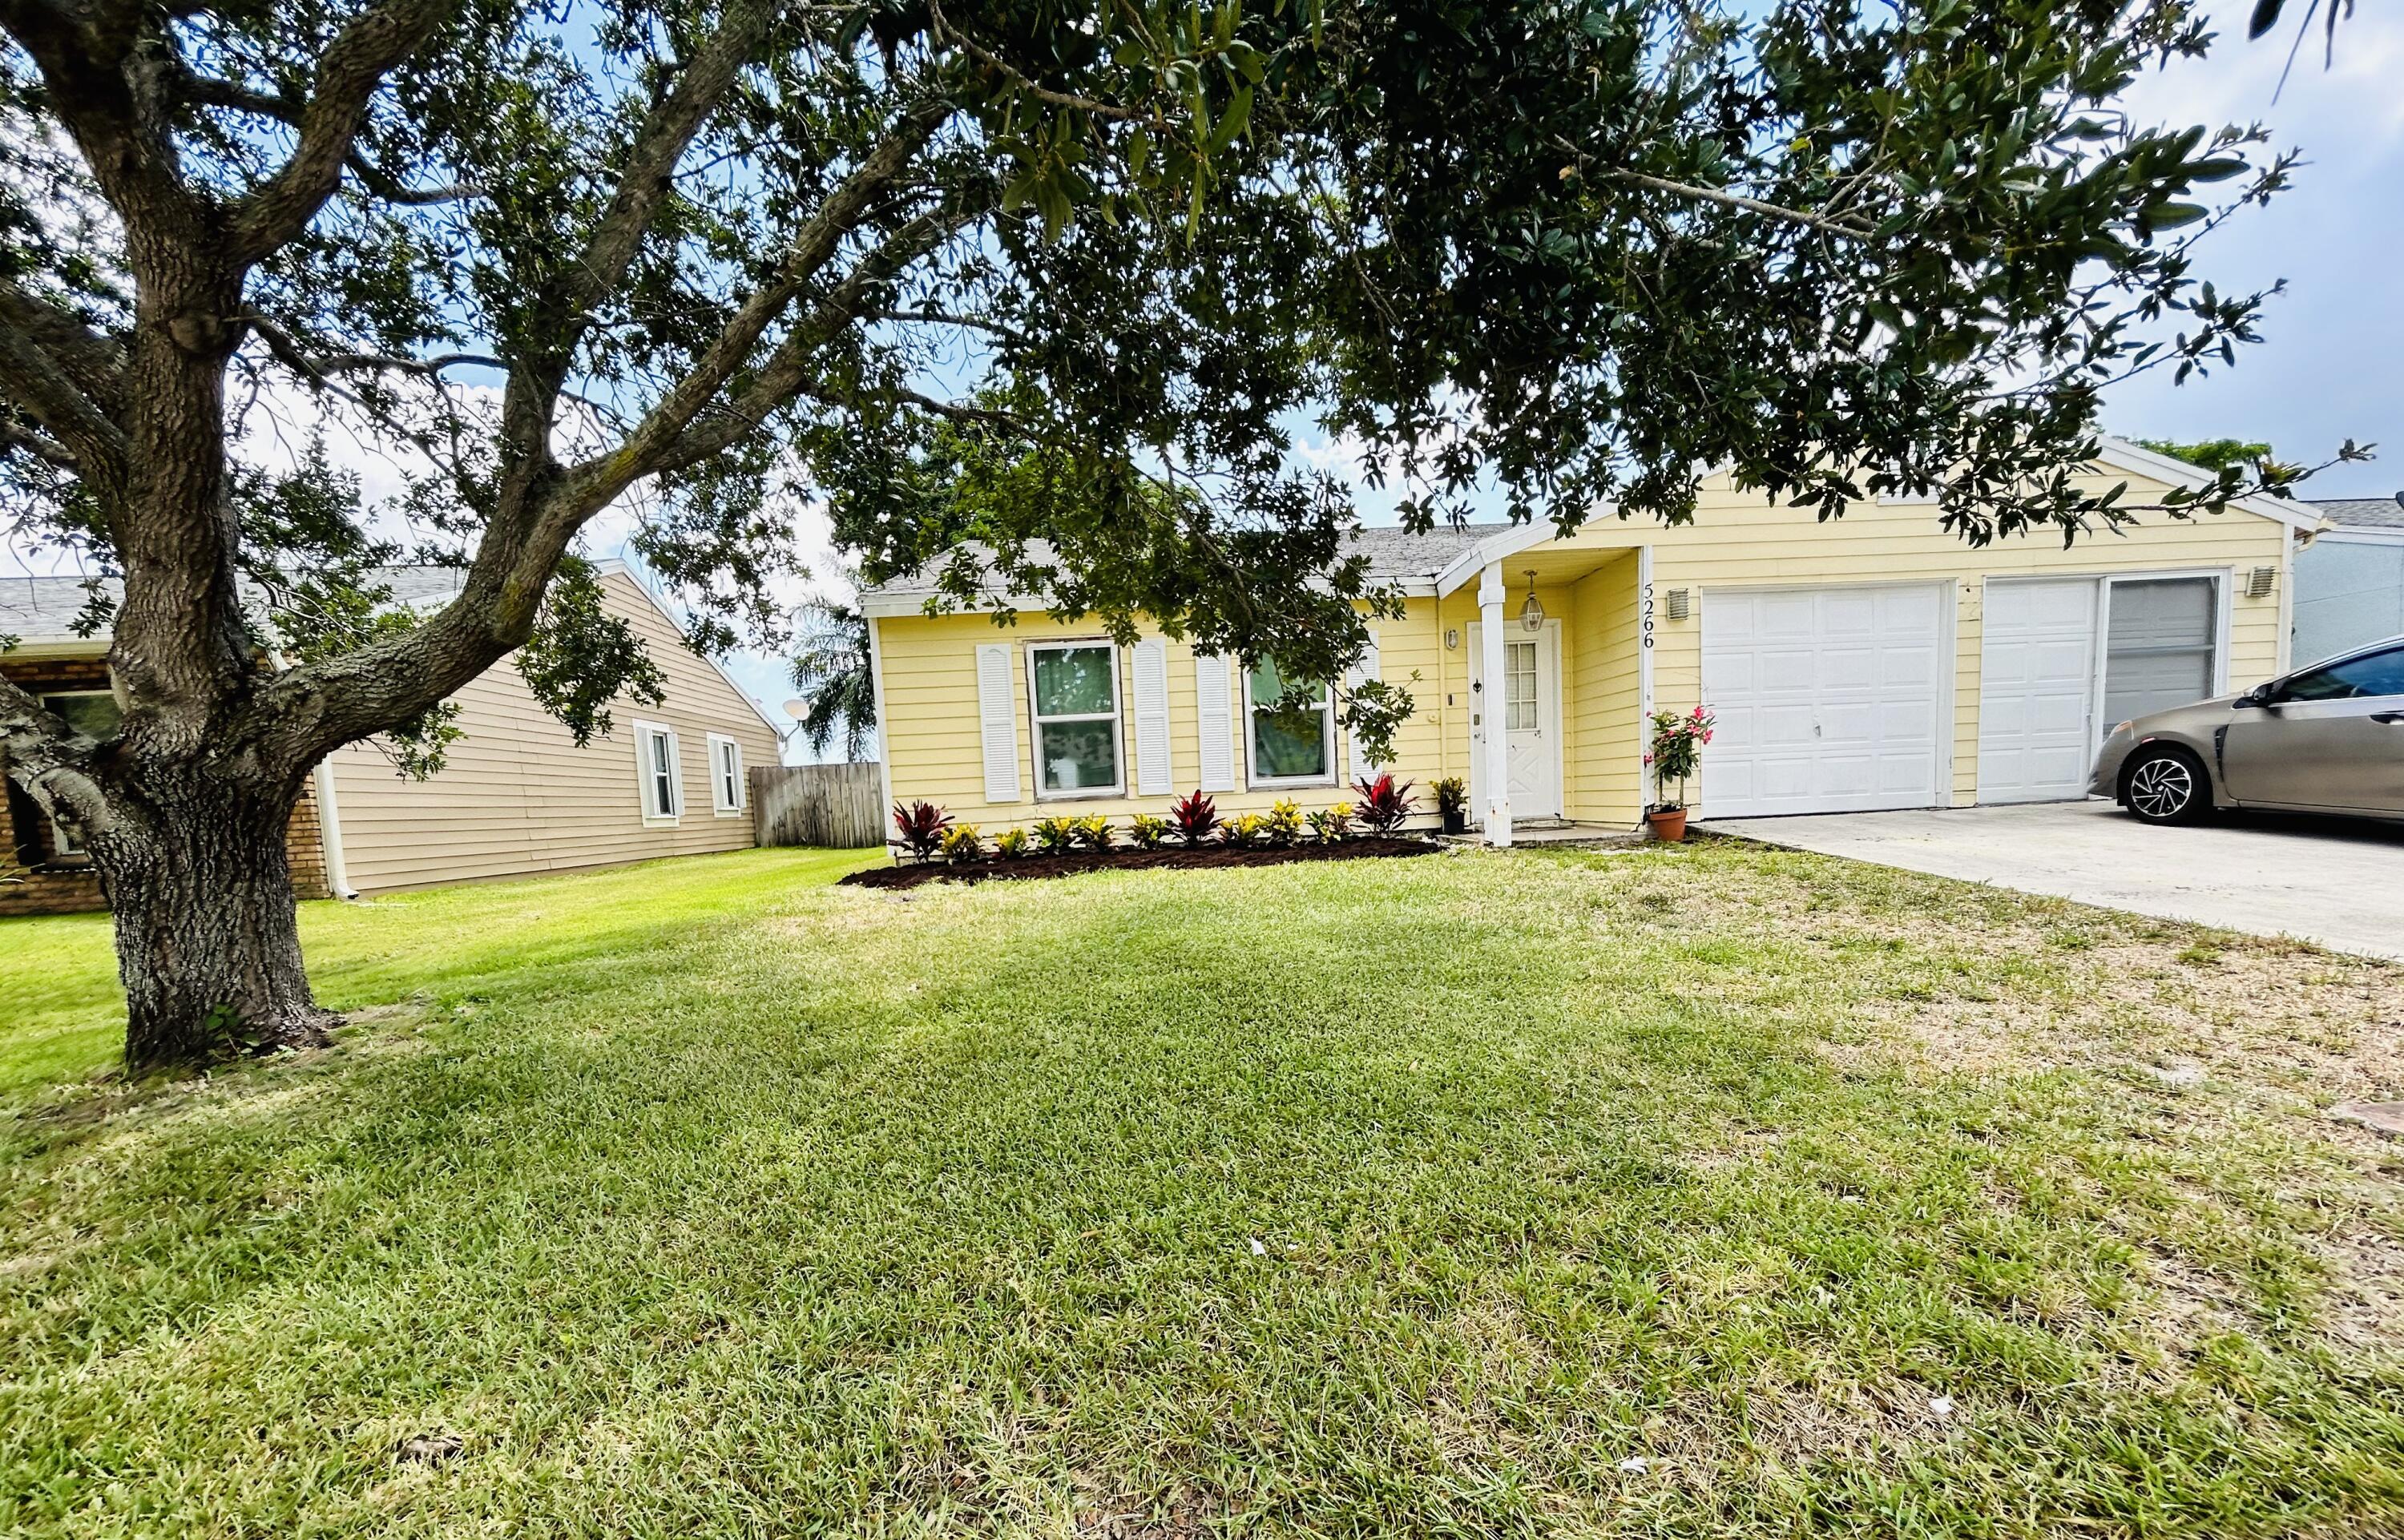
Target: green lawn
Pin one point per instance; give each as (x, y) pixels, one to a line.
(1701, 1191)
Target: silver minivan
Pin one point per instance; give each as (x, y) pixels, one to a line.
(2325, 739)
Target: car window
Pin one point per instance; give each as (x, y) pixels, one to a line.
(2373, 674)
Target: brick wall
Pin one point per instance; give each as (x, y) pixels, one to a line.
(53, 884)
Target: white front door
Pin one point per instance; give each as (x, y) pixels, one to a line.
(1830, 700)
(1530, 706)
(2036, 690)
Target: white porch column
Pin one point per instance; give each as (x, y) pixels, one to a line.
(1496, 771)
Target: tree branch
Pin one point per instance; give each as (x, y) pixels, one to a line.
(1026, 83)
(47, 393)
(956, 411)
(941, 317)
(659, 146)
(50, 760)
(786, 373)
(1715, 195)
(321, 367)
(96, 362)
(353, 65)
(210, 92)
(813, 247)
(40, 446)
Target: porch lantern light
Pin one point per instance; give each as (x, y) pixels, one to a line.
(1531, 614)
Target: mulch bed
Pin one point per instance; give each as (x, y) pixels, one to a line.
(1098, 861)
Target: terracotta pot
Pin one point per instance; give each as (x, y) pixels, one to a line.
(1669, 823)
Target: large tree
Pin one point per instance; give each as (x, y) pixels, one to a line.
(985, 271)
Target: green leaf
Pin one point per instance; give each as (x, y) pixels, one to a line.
(1239, 112)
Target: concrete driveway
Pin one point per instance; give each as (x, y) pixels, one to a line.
(2337, 882)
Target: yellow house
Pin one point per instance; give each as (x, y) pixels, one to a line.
(1874, 661)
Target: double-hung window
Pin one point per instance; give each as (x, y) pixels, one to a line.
(1074, 688)
(662, 777)
(725, 776)
(1291, 731)
(95, 714)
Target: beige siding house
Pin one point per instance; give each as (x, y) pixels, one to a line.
(1874, 661)
(516, 795)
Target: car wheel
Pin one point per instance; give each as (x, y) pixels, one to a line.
(2166, 785)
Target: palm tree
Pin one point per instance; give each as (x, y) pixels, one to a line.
(831, 671)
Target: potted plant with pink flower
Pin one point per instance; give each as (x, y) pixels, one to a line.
(1677, 749)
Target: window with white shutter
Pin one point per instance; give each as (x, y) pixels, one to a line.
(1153, 775)
(1215, 705)
(1074, 700)
(1366, 669)
(998, 722)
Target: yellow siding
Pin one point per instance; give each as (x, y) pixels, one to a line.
(1601, 650)
(1591, 582)
(517, 796)
(1739, 539)
(933, 750)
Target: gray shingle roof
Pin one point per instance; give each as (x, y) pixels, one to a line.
(2363, 512)
(1396, 555)
(42, 611)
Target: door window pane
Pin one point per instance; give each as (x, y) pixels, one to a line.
(2160, 650)
(1519, 687)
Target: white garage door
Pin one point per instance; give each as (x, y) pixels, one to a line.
(2037, 685)
(1828, 698)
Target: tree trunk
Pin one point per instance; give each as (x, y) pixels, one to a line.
(194, 866)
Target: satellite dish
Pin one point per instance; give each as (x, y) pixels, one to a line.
(797, 709)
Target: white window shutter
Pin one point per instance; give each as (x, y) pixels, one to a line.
(1366, 669)
(1214, 710)
(1153, 776)
(998, 716)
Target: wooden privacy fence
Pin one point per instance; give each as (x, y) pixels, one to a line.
(835, 807)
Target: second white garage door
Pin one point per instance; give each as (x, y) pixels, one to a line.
(2037, 685)
(1830, 700)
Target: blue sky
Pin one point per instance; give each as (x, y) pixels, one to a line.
(2331, 365)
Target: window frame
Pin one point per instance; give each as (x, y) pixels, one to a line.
(1116, 716)
(46, 696)
(65, 848)
(647, 772)
(1253, 775)
(718, 742)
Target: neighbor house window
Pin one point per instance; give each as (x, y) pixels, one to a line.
(95, 714)
(91, 713)
(725, 776)
(662, 779)
(1292, 729)
(1075, 691)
